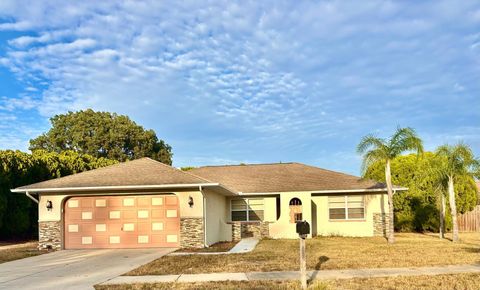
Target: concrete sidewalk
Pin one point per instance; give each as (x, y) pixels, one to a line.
(291, 275)
(243, 246)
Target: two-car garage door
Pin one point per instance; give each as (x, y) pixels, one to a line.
(143, 221)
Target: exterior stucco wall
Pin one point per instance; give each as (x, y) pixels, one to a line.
(374, 204)
(270, 211)
(185, 210)
(217, 217)
(55, 214)
(283, 228)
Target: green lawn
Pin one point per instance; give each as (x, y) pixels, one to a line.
(327, 253)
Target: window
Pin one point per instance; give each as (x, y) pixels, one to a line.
(298, 217)
(295, 201)
(295, 206)
(348, 207)
(248, 209)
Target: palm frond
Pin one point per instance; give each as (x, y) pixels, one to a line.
(405, 139)
(476, 168)
(371, 157)
(459, 160)
(370, 141)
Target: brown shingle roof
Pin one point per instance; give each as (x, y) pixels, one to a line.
(144, 171)
(282, 177)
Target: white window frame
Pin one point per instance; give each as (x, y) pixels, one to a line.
(346, 209)
(247, 200)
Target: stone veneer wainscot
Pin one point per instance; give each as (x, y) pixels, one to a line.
(50, 235)
(191, 232)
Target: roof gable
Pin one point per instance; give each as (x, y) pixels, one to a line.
(282, 177)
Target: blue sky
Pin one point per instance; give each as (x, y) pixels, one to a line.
(248, 81)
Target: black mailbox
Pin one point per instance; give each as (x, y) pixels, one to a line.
(303, 228)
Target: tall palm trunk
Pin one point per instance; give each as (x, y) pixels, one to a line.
(453, 208)
(388, 179)
(442, 216)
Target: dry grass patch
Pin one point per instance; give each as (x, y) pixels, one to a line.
(230, 285)
(410, 250)
(451, 282)
(456, 281)
(21, 252)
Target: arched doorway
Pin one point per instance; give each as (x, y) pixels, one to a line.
(295, 206)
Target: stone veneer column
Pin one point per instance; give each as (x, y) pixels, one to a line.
(380, 224)
(249, 229)
(50, 235)
(191, 232)
(236, 231)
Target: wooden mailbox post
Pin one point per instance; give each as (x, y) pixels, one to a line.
(303, 229)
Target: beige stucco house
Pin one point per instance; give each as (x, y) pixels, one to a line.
(144, 203)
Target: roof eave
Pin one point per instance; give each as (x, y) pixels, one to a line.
(332, 191)
(123, 187)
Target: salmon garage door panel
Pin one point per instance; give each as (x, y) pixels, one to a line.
(134, 221)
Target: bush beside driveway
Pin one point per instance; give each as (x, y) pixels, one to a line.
(327, 253)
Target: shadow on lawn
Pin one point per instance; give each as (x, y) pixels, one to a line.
(321, 260)
(318, 266)
(472, 250)
(435, 236)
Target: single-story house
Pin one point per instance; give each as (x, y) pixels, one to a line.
(144, 203)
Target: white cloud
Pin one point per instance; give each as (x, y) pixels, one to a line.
(22, 103)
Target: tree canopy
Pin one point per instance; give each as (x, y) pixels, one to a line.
(417, 209)
(18, 214)
(102, 134)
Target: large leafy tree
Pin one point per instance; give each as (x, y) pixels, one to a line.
(455, 162)
(420, 207)
(376, 149)
(102, 134)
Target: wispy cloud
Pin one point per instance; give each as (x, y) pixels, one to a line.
(263, 81)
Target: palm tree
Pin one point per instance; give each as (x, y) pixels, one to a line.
(456, 161)
(376, 149)
(441, 231)
(434, 173)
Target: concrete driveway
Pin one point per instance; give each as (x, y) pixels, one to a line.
(74, 269)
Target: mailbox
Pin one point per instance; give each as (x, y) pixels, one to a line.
(303, 228)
